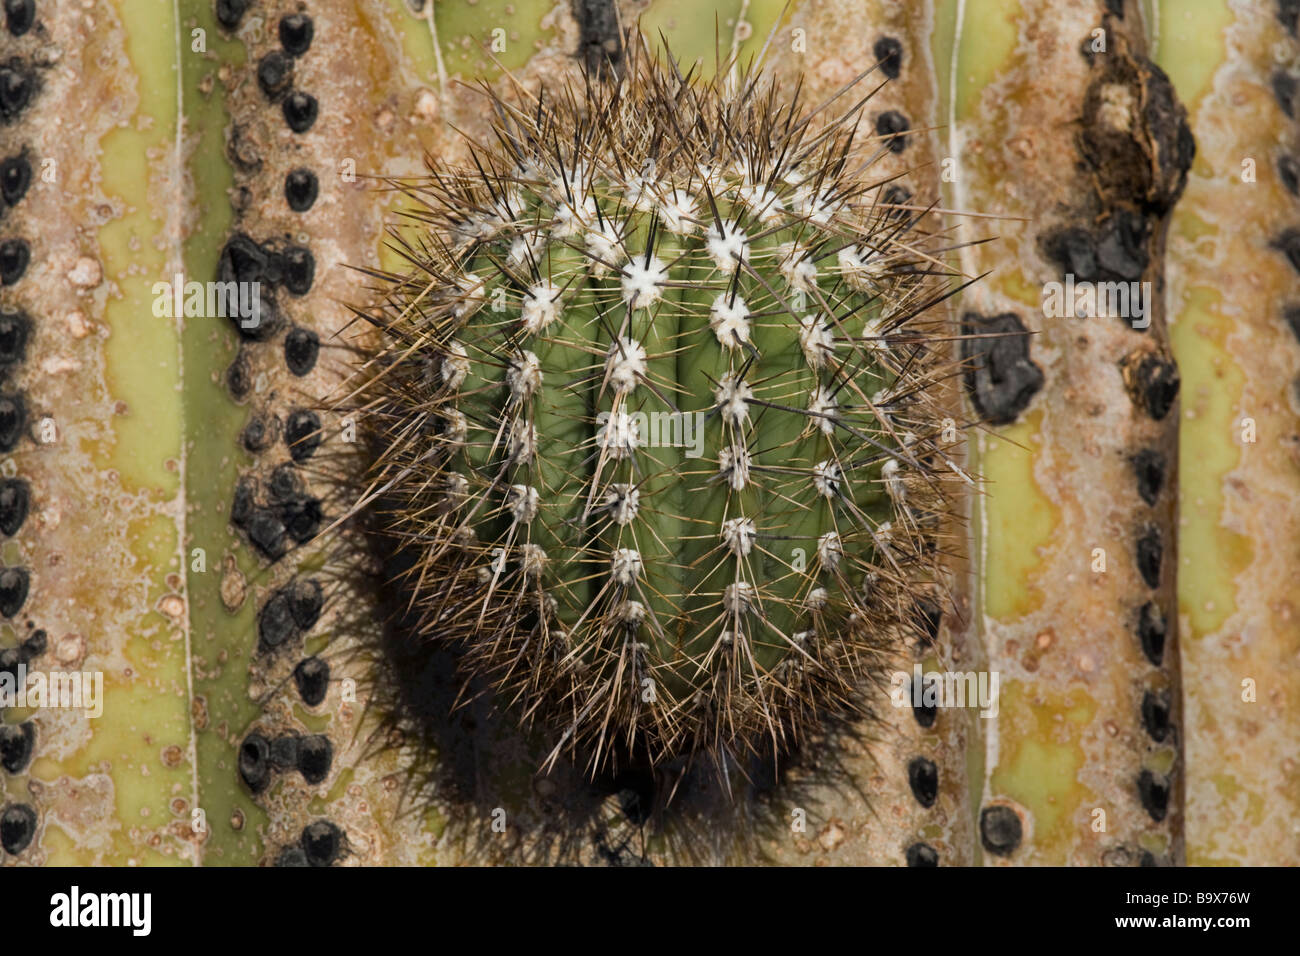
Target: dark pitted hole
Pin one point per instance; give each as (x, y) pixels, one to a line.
(922, 854)
(928, 616)
(302, 433)
(17, 84)
(1153, 790)
(260, 432)
(1288, 171)
(1151, 632)
(925, 714)
(10, 658)
(275, 624)
(284, 483)
(1122, 247)
(312, 677)
(15, 500)
(292, 856)
(1288, 14)
(315, 754)
(14, 585)
(306, 600)
(241, 507)
(1000, 377)
(15, 254)
(284, 752)
(239, 377)
(923, 778)
(1149, 469)
(17, 827)
(1154, 386)
(300, 110)
(1074, 249)
(229, 12)
(15, 178)
(301, 348)
(897, 196)
(1285, 87)
(296, 31)
(244, 262)
(322, 842)
(889, 52)
(1288, 242)
(1149, 551)
(892, 124)
(267, 533)
(1291, 315)
(274, 73)
(1155, 714)
(34, 646)
(13, 419)
(636, 790)
(302, 517)
(255, 762)
(301, 187)
(1148, 859)
(600, 43)
(299, 270)
(19, 16)
(1000, 830)
(17, 741)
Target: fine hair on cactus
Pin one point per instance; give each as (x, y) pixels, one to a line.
(654, 435)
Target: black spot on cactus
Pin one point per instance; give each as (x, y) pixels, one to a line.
(13, 419)
(321, 842)
(284, 752)
(17, 827)
(315, 754)
(19, 16)
(301, 188)
(255, 762)
(1116, 251)
(275, 624)
(889, 52)
(16, 744)
(1151, 632)
(1153, 790)
(15, 330)
(928, 616)
(274, 74)
(301, 348)
(1153, 382)
(892, 124)
(14, 585)
(10, 658)
(15, 254)
(17, 87)
(306, 600)
(1288, 171)
(1149, 552)
(923, 778)
(1285, 87)
(302, 433)
(229, 12)
(1115, 8)
(1001, 379)
(600, 46)
(15, 178)
(925, 714)
(34, 646)
(1149, 469)
(1288, 13)
(301, 517)
(1148, 859)
(299, 270)
(300, 110)
(1291, 314)
(296, 32)
(921, 855)
(244, 501)
(1288, 242)
(267, 533)
(1000, 830)
(239, 377)
(284, 484)
(1155, 714)
(244, 261)
(312, 677)
(292, 856)
(897, 195)
(260, 432)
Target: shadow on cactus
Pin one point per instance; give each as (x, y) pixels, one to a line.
(655, 439)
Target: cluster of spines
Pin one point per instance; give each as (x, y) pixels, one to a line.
(667, 252)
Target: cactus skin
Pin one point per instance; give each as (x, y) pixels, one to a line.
(636, 248)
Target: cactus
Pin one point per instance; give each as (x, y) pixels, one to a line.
(651, 255)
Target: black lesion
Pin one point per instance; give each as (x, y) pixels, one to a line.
(1001, 379)
(600, 47)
